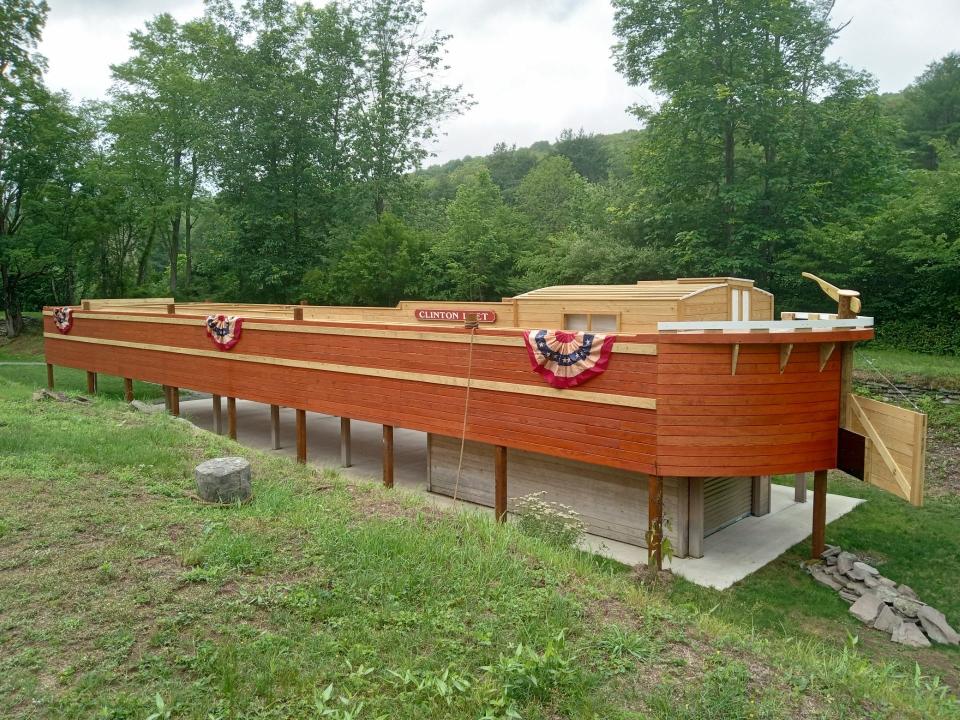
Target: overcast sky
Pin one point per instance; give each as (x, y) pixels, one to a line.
(534, 67)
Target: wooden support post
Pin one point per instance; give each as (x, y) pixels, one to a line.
(760, 495)
(128, 389)
(800, 487)
(166, 397)
(175, 401)
(49, 376)
(654, 522)
(217, 415)
(844, 308)
(388, 456)
(275, 425)
(846, 381)
(500, 484)
(345, 442)
(232, 417)
(301, 436)
(695, 503)
(818, 539)
(91, 383)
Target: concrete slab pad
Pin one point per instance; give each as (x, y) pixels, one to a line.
(744, 547)
(729, 555)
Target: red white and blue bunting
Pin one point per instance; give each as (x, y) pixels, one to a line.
(568, 359)
(224, 330)
(63, 319)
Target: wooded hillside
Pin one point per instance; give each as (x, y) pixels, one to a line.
(274, 153)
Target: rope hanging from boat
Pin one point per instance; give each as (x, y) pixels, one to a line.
(471, 323)
(890, 383)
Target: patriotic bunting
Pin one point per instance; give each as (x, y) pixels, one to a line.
(63, 319)
(224, 331)
(568, 359)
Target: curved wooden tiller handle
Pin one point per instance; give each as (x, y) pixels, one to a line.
(843, 298)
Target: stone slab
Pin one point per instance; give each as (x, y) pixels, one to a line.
(909, 634)
(887, 620)
(866, 608)
(845, 562)
(936, 626)
(825, 579)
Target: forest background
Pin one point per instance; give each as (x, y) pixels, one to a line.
(274, 152)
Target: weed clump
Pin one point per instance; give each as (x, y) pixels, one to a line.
(553, 522)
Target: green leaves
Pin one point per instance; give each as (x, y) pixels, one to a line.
(759, 138)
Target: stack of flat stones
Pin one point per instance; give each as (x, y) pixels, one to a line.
(880, 602)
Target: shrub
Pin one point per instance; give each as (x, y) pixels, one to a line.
(918, 336)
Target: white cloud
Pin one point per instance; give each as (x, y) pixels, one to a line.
(896, 39)
(84, 37)
(533, 73)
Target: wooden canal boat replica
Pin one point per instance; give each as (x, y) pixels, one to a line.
(697, 399)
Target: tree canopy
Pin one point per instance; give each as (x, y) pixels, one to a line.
(274, 151)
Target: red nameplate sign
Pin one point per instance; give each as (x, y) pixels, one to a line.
(484, 316)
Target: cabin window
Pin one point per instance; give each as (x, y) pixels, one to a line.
(576, 322)
(746, 304)
(590, 322)
(603, 323)
(735, 304)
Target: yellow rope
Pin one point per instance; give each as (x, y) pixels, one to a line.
(466, 409)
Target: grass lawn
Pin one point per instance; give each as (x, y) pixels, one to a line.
(916, 546)
(28, 349)
(120, 596)
(939, 371)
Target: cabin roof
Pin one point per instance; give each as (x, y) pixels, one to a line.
(642, 290)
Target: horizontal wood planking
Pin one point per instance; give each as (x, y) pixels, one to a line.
(757, 422)
(630, 375)
(903, 434)
(434, 408)
(636, 315)
(626, 344)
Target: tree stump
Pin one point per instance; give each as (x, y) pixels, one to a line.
(223, 480)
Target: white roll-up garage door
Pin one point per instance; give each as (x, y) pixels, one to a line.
(725, 500)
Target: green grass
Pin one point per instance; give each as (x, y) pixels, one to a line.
(121, 597)
(904, 366)
(916, 546)
(28, 348)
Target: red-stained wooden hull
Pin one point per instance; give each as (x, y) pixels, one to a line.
(707, 421)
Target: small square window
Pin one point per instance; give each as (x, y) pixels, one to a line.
(603, 323)
(576, 322)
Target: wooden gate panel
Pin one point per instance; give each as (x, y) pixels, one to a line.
(894, 448)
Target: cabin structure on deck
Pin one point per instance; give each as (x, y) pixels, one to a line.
(699, 398)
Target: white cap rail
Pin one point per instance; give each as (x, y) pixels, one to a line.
(740, 326)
